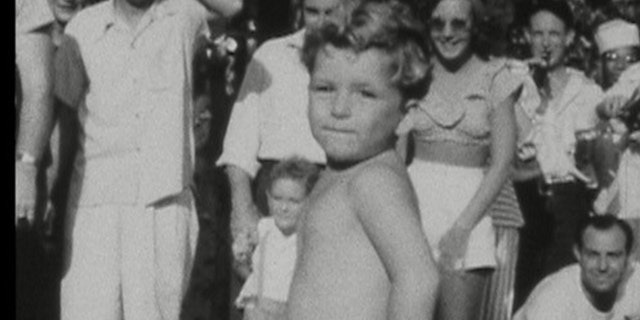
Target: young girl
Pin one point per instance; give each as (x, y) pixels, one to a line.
(264, 294)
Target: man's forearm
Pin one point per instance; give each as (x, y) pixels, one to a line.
(36, 125)
(36, 112)
(241, 197)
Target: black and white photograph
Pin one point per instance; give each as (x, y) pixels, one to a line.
(327, 159)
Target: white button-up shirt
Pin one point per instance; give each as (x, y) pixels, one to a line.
(574, 110)
(269, 119)
(133, 88)
(31, 15)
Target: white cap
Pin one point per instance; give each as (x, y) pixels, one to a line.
(616, 34)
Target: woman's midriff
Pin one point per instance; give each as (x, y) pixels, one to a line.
(452, 153)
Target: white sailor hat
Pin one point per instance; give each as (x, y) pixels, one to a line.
(616, 34)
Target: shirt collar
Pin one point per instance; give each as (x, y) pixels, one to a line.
(158, 10)
(296, 40)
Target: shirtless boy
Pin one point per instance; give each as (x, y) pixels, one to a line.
(362, 253)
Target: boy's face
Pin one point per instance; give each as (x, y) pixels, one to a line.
(602, 259)
(354, 108)
(285, 198)
(548, 38)
(615, 61)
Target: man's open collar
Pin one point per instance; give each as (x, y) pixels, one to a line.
(296, 40)
(158, 10)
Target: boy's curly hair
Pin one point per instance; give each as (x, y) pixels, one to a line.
(389, 26)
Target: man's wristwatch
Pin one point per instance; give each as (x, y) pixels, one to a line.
(26, 158)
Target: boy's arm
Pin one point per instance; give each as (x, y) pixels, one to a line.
(385, 204)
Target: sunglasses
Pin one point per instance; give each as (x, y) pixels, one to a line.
(458, 25)
(621, 58)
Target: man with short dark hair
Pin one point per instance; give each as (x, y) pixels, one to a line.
(566, 111)
(604, 284)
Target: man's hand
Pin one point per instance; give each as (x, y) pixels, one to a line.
(610, 106)
(614, 105)
(26, 192)
(244, 231)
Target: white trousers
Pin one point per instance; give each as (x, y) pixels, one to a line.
(128, 261)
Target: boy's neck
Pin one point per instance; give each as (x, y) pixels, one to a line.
(344, 166)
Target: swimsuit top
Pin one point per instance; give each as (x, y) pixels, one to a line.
(460, 112)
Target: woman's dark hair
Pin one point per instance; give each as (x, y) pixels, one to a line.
(559, 8)
(389, 26)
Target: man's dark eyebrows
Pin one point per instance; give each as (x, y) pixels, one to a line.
(311, 9)
(616, 253)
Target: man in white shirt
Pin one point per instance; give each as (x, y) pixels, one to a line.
(554, 193)
(130, 233)
(34, 100)
(269, 119)
(604, 284)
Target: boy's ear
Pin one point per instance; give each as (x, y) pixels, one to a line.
(527, 35)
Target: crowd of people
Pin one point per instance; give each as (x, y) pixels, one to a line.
(365, 162)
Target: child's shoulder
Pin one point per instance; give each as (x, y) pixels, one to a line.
(380, 176)
(381, 190)
(265, 224)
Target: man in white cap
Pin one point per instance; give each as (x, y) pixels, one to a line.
(619, 46)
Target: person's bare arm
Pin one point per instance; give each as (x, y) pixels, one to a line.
(244, 212)
(388, 211)
(241, 146)
(34, 63)
(503, 145)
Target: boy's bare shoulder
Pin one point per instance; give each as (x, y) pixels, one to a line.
(383, 177)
